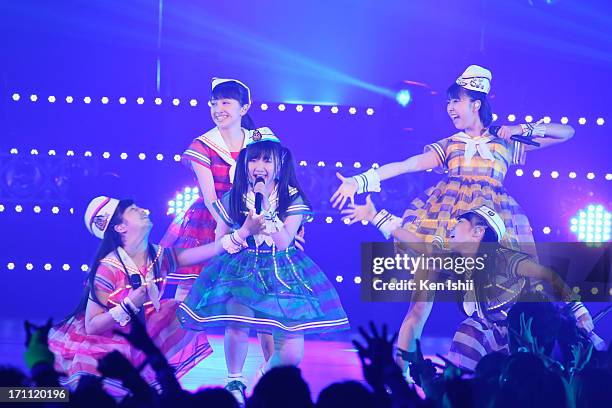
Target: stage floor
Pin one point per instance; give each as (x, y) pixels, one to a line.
(325, 361)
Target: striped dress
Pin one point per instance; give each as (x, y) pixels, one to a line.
(77, 353)
(470, 183)
(284, 290)
(196, 226)
(485, 332)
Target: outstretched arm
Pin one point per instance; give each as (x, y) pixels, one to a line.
(420, 162)
(370, 180)
(388, 224)
(192, 256)
(532, 269)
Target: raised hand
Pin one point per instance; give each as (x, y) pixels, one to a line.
(377, 355)
(355, 213)
(422, 370)
(346, 191)
(138, 295)
(254, 224)
(526, 340)
(581, 355)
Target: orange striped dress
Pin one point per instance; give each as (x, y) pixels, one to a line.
(77, 353)
(468, 184)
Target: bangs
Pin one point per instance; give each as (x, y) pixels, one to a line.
(455, 91)
(123, 205)
(230, 90)
(266, 150)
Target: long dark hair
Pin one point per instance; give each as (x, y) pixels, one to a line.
(110, 243)
(485, 113)
(233, 90)
(284, 174)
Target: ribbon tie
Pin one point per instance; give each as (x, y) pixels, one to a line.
(472, 146)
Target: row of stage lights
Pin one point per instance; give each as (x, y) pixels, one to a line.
(105, 155)
(175, 207)
(339, 278)
(547, 119)
(105, 100)
(303, 163)
(47, 266)
(282, 107)
(37, 209)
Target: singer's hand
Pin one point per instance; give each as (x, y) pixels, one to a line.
(585, 322)
(137, 296)
(254, 224)
(505, 132)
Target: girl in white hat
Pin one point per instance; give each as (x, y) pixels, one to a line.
(212, 157)
(127, 278)
(475, 161)
(263, 282)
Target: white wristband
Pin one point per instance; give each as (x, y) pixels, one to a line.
(533, 129)
(368, 181)
(120, 314)
(386, 222)
(232, 243)
(578, 310)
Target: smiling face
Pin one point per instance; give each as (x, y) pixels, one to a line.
(463, 111)
(263, 167)
(226, 112)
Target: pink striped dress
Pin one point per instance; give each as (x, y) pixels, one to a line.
(77, 353)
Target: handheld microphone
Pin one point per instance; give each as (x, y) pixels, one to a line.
(258, 196)
(518, 138)
(135, 281)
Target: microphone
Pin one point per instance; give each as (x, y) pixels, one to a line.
(518, 138)
(258, 196)
(135, 281)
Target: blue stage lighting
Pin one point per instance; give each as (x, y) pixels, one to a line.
(182, 201)
(403, 97)
(592, 224)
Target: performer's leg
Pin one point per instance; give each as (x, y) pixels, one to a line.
(411, 329)
(267, 344)
(236, 341)
(288, 350)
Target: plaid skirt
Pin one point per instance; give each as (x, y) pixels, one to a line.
(193, 228)
(283, 290)
(435, 211)
(77, 353)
